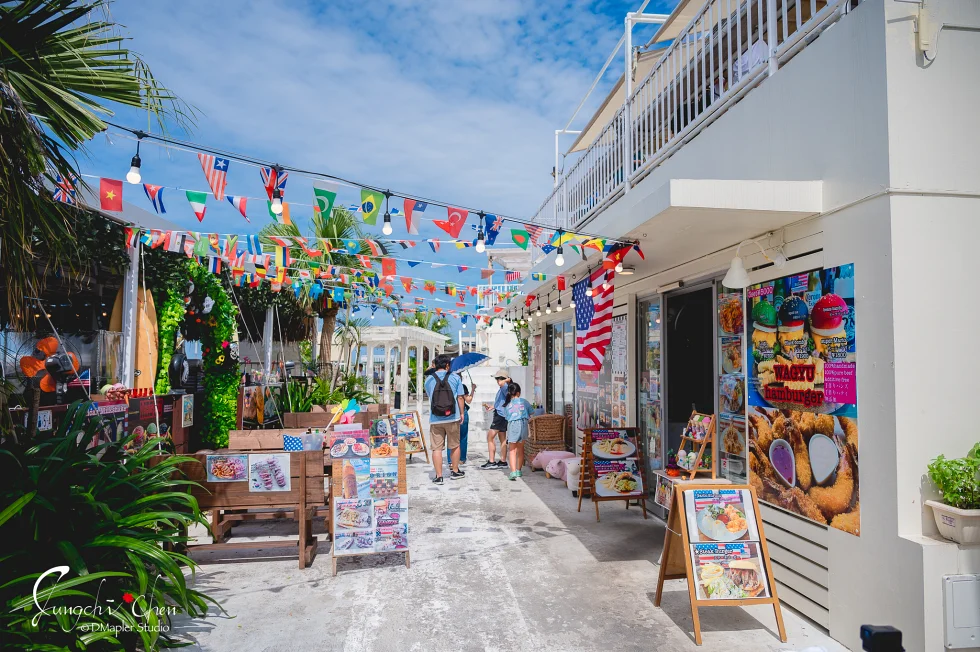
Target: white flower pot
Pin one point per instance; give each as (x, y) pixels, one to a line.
(959, 525)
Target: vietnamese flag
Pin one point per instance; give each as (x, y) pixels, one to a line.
(388, 267)
(110, 194)
(457, 218)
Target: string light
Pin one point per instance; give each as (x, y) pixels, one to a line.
(480, 246)
(538, 313)
(619, 267)
(605, 282)
(559, 259)
(133, 176)
(559, 302)
(548, 311)
(588, 287)
(386, 229)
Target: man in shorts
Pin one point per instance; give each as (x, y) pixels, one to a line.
(498, 425)
(444, 430)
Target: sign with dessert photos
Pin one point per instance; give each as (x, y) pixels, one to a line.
(802, 415)
(714, 539)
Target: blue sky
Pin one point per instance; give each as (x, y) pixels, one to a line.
(452, 100)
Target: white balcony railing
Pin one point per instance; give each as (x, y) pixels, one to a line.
(729, 47)
(490, 293)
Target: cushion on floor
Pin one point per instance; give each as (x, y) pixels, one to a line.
(542, 459)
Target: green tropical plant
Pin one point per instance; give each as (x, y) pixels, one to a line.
(428, 320)
(113, 518)
(348, 332)
(958, 479)
(523, 344)
(300, 396)
(60, 67)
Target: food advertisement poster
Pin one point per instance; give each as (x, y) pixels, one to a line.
(391, 523)
(226, 468)
(720, 516)
(732, 447)
(649, 408)
(602, 396)
(268, 472)
(350, 444)
(615, 464)
(355, 542)
(729, 571)
(802, 395)
(664, 493)
(355, 479)
(384, 477)
(187, 410)
(354, 514)
(143, 417)
(731, 386)
(407, 427)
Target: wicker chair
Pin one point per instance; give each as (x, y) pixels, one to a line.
(545, 433)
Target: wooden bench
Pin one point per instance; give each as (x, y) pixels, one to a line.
(233, 502)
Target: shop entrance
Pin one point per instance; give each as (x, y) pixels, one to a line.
(689, 345)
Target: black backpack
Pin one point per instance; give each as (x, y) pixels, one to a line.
(443, 401)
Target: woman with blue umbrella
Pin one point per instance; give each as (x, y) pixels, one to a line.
(460, 364)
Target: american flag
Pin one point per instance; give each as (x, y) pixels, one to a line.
(513, 277)
(534, 231)
(272, 179)
(216, 171)
(593, 321)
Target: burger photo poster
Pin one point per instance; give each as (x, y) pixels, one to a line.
(802, 395)
(729, 571)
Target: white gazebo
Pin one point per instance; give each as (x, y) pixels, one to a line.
(398, 340)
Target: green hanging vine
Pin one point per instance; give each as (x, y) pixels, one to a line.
(169, 316)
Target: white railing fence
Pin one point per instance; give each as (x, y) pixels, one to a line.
(729, 47)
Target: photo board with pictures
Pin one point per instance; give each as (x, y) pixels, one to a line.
(611, 467)
(715, 540)
(269, 472)
(370, 493)
(732, 449)
(408, 427)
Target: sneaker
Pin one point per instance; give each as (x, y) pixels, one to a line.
(502, 465)
(456, 475)
(437, 480)
(489, 464)
(513, 475)
(519, 473)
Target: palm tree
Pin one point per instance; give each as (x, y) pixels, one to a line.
(59, 69)
(339, 227)
(349, 333)
(428, 320)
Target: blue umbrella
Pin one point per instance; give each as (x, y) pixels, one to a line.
(467, 361)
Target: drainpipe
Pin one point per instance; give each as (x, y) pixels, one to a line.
(130, 307)
(772, 23)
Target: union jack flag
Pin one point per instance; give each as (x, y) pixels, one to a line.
(65, 192)
(216, 172)
(273, 179)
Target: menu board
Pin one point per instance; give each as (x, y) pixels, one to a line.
(720, 516)
(369, 514)
(615, 464)
(729, 571)
(731, 385)
(802, 395)
(407, 427)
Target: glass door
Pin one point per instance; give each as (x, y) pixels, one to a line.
(649, 408)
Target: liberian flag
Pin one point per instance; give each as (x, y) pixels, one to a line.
(272, 179)
(155, 195)
(216, 172)
(239, 203)
(198, 201)
(411, 220)
(452, 226)
(593, 320)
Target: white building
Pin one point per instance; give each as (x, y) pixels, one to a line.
(834, 133)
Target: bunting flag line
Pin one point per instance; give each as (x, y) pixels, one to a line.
(309, 249)
(352, 246)
(155, 195)
(593, 320)
(216, 172)
(494, 225)
(388, 267)
(282, 218)
(486, 273)
(453, 226)
(370, 205)
(253, 244)
(131, 235)
(411, 219)
(413, 263)
(214, 264)
(636, 248)
(538, 276)
(534, 232)
(272, 179)
(65, 190)
(434, 244)
(110, 194)
(373, 247)
(176, 243)
(558, 238)
(520, 237)
(239, 203)
(324, 196)
(231, 248)
(614, 254)
(198, 201)
(462, 268)
(514, 277)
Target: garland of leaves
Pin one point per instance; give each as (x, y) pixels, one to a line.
(169, 317)
(167, 277)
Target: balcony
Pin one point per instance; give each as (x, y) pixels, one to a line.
(728, 48)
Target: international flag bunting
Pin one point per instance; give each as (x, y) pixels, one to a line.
(593, 320)
(280, 257)
(413, 263)
(216, 172)
(451, 290)
(281, 241)
(176, 243)
(65, 190)
(239, 203)
(155, 195)
(407, 283)
(472, 290)
(338, 294)
(253, 244)
(558, 238)
(406, 244)
(437, 265)
(324, 196)
(429, 286)
(411, 219)
(373, 246)
(615, 252)
(513, 277)
(309, 247)
(282, 218)
(462, 244)
(370, 205)
(352, 246)
(595, 243)
(419, 301)
(462, 268)
(561, 283)
(460, 304)
(494, 225)
(434, 244)
(388, 267)
(486, 273)
(464, 320)
(453, 225)
(160, 238)
(528, 300)
(538, 276)
(534, 232)
(272, 179)
(231, 248)
(520, 237)
(316, 289)
(198, 201)
(365, 261)
(131, 236)
(636, 248)
(110, 194)
(214, 264)
(547, 248)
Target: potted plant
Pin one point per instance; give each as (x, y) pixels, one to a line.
(958, 515)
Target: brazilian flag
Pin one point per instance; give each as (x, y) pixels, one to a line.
(370, 205)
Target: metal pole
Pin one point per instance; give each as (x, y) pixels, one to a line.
(771, 26)
(267, 344)
(403, 376)
(130, 308)
(628, 87)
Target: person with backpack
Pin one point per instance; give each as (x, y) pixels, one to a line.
(445, 391)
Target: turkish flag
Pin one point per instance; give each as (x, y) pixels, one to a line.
(457, 218)
(110, 194)
(388, 267)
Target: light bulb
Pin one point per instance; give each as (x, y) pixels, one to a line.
(549, 308)
(559, 305)
(480, 246)
(538, 313)
(133, 176)
(559, 259)
(528, 319)
(372, 315)
(605, 284)
(588, 291)
(571, 304)
(277, 201)
(386, 229)
(619, 267)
